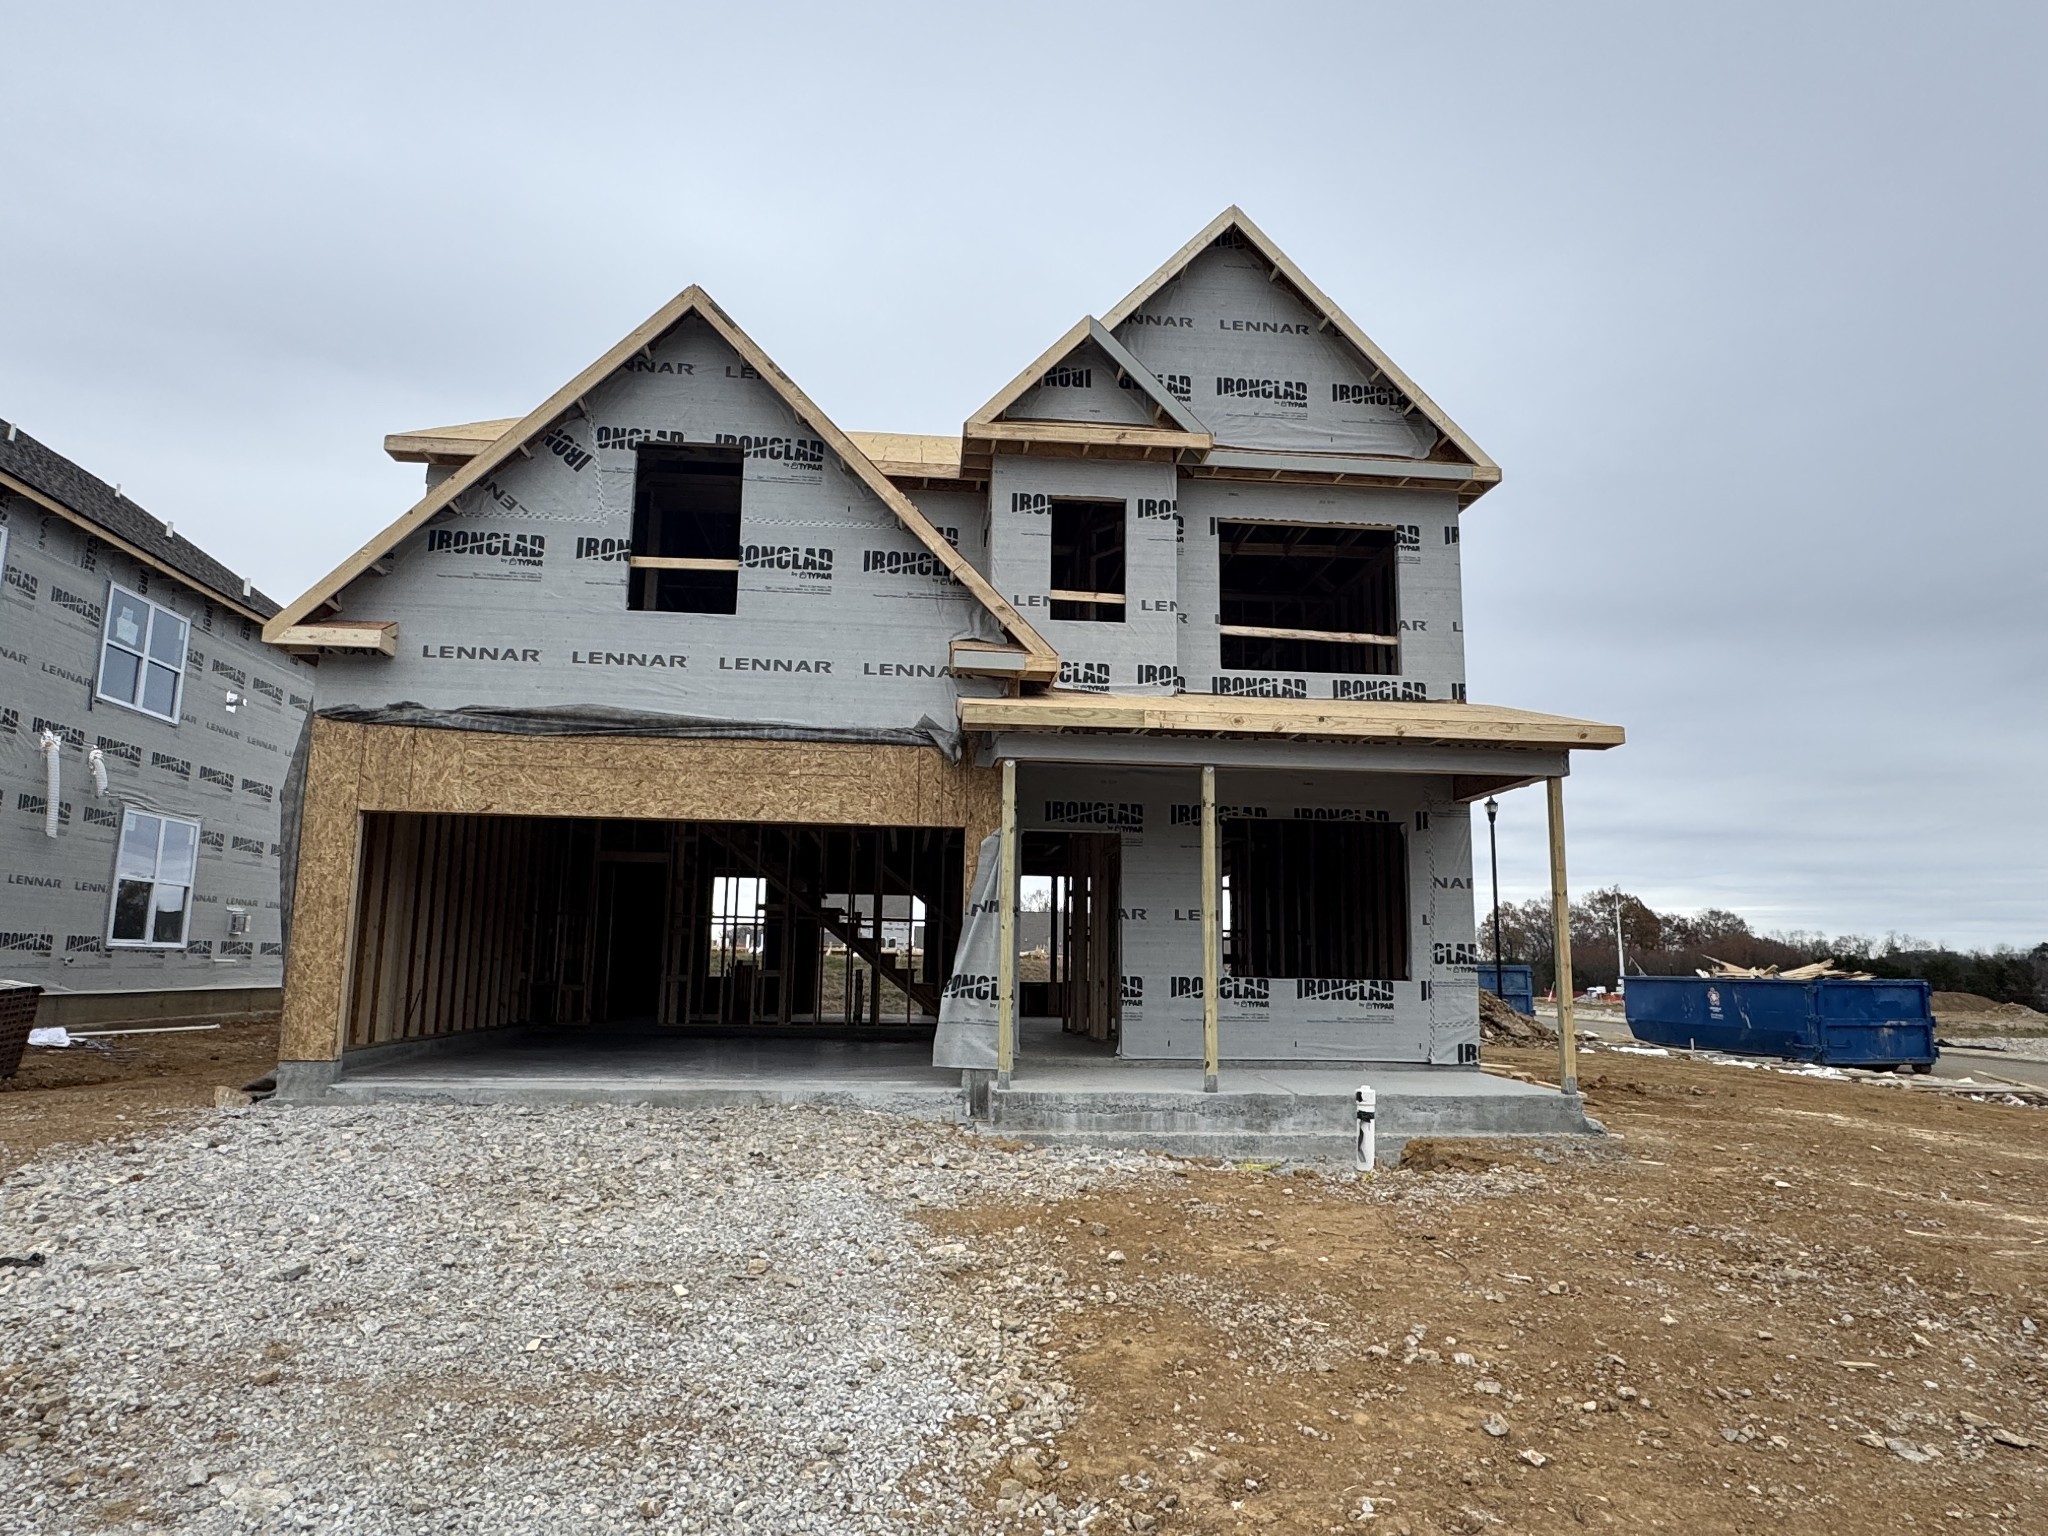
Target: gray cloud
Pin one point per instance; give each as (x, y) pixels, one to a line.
(1746, 300)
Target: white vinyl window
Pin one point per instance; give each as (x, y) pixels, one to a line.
(142, 657)
(153, 881)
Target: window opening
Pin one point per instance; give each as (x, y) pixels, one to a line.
(153, 871)
(1298, 597)
(1088, 561)
(685, 556)
(1315, 899)
(142, 655)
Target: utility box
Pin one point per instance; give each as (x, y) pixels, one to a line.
(1514, 985)
(1832, 1021)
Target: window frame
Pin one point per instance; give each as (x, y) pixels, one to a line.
(645, 572)
(1380, 651)
(1294, 894)
(163, 820)
(1096, 604)
(144, 659)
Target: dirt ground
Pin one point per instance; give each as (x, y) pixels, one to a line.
(133, 1083)
(1768, 1300)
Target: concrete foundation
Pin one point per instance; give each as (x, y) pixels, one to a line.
(1059, 1094)
(176, 1005)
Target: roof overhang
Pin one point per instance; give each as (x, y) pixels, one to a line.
(1419, 723)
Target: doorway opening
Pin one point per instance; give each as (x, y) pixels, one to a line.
(1070, 937)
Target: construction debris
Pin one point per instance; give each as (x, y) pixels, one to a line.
(1819, 970)
(1501, 1025)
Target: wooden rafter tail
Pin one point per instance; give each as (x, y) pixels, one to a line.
(382, 638)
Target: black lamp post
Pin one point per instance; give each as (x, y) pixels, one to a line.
(1493, 850)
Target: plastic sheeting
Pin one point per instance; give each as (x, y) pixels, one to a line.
(966, 1037)
(596, 720)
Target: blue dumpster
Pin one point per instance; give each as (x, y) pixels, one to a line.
(1835, 1022)
(1514, 985)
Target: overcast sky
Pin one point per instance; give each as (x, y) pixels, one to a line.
(1746, 300)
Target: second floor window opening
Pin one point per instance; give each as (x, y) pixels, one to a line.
(1088, 561)
(1308, 597)
(685, 556)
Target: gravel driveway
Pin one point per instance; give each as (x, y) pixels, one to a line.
(403, 1319)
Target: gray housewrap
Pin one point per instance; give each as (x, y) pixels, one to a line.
(515, 596)
(966, 1037)
(595, 720)
(224, 762)
(511, 612)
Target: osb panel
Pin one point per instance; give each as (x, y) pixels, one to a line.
(322, 900)
(357, 768)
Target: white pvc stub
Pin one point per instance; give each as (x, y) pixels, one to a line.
(1365, 1101)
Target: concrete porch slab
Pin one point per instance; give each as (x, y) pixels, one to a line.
(1059, 1096)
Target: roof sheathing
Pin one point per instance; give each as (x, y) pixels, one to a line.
(1044, 660)
(46, 477)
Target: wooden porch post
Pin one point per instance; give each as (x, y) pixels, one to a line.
(1006, 931)
(1212, 947)
(1561, 929)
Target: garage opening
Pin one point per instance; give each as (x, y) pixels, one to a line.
(473, 922)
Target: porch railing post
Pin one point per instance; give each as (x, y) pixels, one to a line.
(1561, 930)
(1212, 947)
(1006, 931)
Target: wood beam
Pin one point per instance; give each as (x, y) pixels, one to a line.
(1212, 943)
(382, 638)
(1006, 931)
(1561, 930)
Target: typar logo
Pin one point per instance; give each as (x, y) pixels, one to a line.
(1178, 385)
(1336, 813)
(1376, 993)
(903, 562)
(521, 549)
(1064, 377)
(1153, 674)
(808, 451)
(1260, 687)
(1085, 674)
(566, 448)
(1133, 991)
(27, 943)
(1292, 393)
(1188, 813)
(969, 988)
(604, 549)
(1378, 690)
(84, 607)
(1030, 501)
(1381, 394)
(1249, 991)
(1124, 815)
(1454, 954)
(633, 437)
(812, 563)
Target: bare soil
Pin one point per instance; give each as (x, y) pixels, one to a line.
(1768, 1301)
(125, 1084)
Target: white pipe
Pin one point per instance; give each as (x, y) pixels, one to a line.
(52, 781)
(98, 761)
(1367, 1103)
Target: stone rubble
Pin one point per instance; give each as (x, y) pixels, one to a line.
(434, 1318)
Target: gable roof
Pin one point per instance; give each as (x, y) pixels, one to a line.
(1234, 220)
(46, 477)
(1043, 659)
(1178, 417)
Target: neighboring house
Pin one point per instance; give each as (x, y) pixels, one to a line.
(130, 655)
(637, 713)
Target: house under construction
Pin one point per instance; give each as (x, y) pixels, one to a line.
(672, 706)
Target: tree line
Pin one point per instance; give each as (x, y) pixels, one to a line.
(1679, 943)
